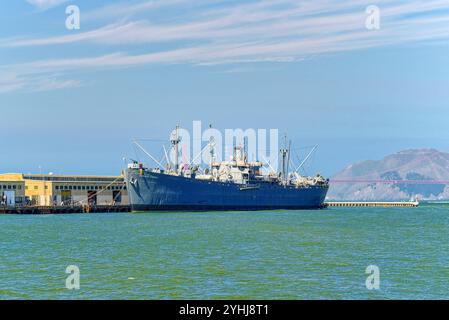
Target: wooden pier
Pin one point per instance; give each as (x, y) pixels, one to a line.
(127, 208)
(63, 209)
(386, 204)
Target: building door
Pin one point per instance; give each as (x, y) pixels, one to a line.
(10, 198)
(92, 197)
(34, 200)
(66, 197)
(116, 197)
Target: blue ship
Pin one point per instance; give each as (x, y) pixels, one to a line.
(227, 185)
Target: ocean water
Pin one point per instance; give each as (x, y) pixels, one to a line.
(235, 255)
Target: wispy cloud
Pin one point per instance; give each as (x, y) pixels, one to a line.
(280, 20)
(256, 31)
(35, 82)
(127, 9)
(45, 4)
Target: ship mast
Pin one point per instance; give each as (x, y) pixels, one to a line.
(212, 153)
(284, 152)
(175, 142)
(288, 161)
(245, 149)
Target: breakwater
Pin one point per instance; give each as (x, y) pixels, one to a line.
(383, 204)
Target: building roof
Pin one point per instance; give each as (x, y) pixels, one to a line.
(11, 177)
(58, 177)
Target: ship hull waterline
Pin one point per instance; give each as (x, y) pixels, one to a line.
(153, 192)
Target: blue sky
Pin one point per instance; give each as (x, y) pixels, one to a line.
(71, 100)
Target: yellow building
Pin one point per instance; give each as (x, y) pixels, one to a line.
(12, 191)
(48, 190)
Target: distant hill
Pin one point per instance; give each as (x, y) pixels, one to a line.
(416, 164)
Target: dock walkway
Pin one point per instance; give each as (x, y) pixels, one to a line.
(127, 208)
(63, 209)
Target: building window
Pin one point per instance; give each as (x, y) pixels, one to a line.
(36, 187)
(57, 188)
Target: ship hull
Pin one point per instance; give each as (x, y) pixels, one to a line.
(161, 192)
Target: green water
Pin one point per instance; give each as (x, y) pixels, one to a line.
(239, 255)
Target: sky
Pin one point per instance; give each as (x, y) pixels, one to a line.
(71, 101)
